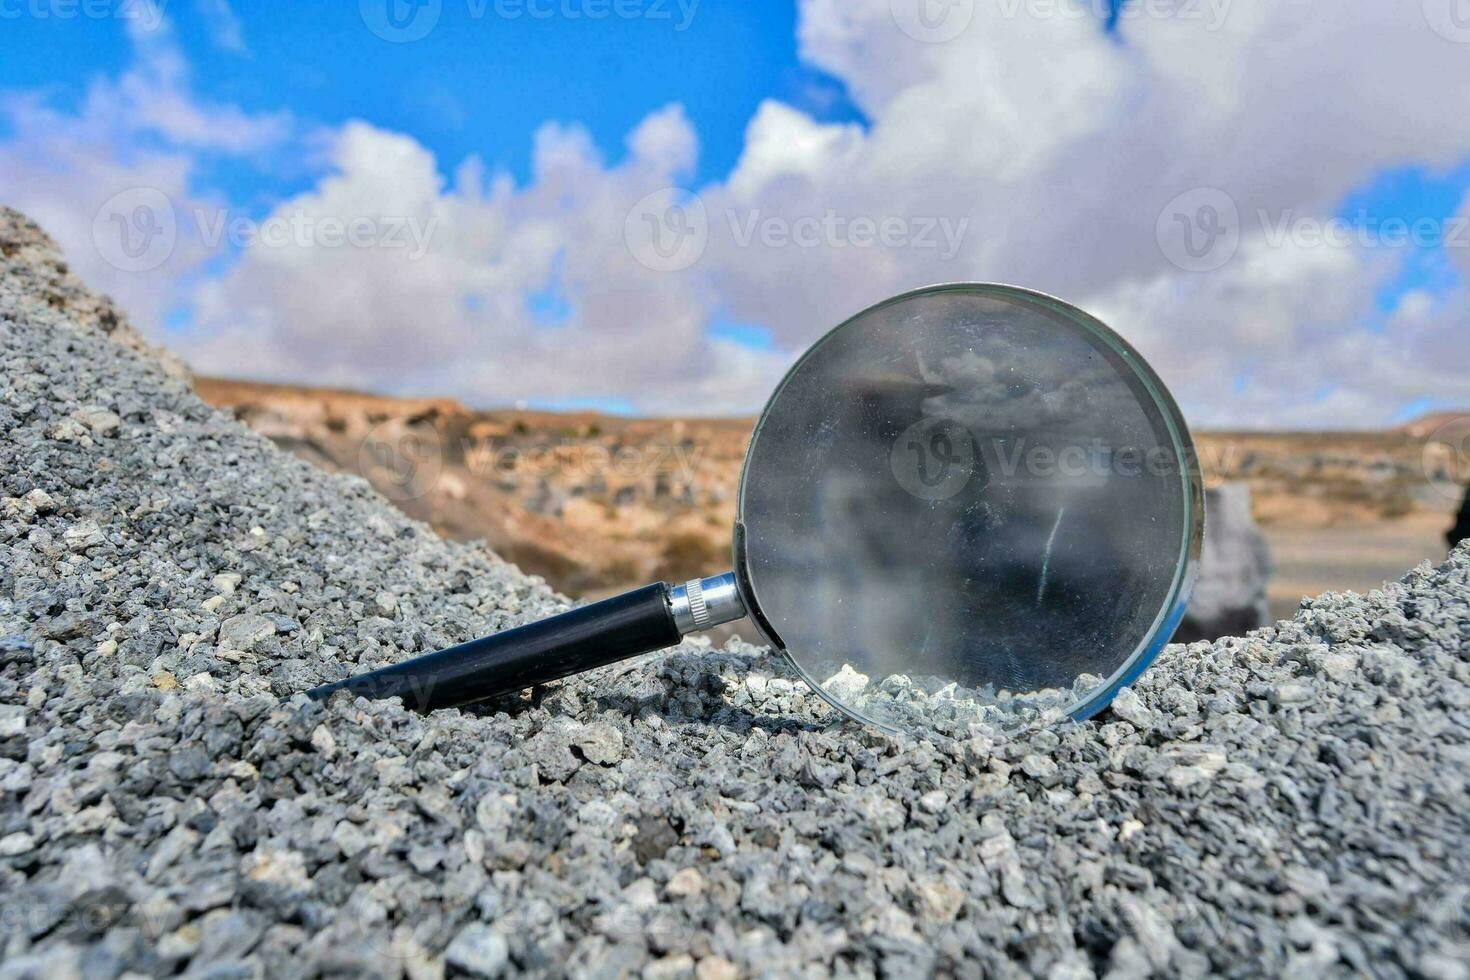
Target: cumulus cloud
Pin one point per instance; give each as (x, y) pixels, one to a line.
(133, 141)
(1155, 175)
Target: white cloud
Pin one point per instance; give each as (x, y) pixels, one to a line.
(137, 134)
(457, 318)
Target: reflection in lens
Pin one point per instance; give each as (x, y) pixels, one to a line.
(968, 508)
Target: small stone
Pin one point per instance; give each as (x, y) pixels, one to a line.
(846, 684)
(350, 838)
(685, 883)
(201, 683)
(213, 602)
(245, 631)
(386, 602)
(1194, 764)
(716, 968)
(225, 583)
(675, 966)
(101, 421)
(1041, 768)
(107, 647)
(82, 535)
(324, 742)
(12, 719)
(934, 801)
(938, 901)
(641, 894)
(1292, 694)
(479, 951)
(66, 430)
(180, 944)
(277, 867)
(40, 501)
(1128, 706)
(600, 743)
(1339, 666)
(164, 680)
(15, 844)
(551, 751)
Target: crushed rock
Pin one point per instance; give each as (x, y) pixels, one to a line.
(1291, 802)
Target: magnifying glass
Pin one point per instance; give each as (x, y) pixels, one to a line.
(969, 506)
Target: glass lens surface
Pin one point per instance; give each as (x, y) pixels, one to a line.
(971, 507)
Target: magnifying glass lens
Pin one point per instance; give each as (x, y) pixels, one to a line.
(970, 507)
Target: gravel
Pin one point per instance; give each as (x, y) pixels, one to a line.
(1292, 802)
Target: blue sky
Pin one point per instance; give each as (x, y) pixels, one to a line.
(477, 84)
(1050, 144)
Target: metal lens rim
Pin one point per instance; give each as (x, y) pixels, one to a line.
(1191, 488)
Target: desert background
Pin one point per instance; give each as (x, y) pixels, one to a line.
(597, 503)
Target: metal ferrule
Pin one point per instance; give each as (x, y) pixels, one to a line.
(703, 603)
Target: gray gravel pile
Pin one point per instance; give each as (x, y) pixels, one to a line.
(1292, 802)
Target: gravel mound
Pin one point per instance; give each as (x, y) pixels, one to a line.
(1294, 801)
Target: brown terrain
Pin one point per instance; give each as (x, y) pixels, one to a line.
(596, 503)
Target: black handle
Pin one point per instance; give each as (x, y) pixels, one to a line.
(515, 659)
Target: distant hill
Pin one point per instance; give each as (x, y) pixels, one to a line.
(1426, 424)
